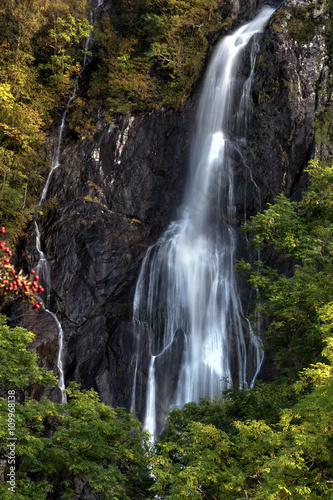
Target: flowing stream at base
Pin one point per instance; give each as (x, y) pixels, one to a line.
(187, 283)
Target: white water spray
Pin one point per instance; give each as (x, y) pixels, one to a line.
(150, 417)
(187, 279)
(43, 268)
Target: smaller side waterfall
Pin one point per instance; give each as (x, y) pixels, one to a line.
(43, 268)
(87, 54)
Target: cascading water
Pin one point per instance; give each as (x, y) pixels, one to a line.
(187, 283)
(43, 268)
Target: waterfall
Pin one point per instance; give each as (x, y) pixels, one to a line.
(43, 267)
(187, 281)
(150, 417)
(87, 56)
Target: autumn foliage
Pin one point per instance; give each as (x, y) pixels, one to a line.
(13, 283)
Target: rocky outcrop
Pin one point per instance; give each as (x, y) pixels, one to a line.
(292, 88)
(114, 195)
(111, 198)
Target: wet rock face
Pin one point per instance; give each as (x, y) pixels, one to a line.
(290, 90)
(114, 196)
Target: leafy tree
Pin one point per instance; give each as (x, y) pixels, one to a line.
(19, 22)
(79, 447)
(66, 450)
(176, 33)
(67, 41)
(263, 401)
(18, 365)
(35, 36)
(273, 441)
(294, 459)
(289, 457)
(292, 304)
(152, 52)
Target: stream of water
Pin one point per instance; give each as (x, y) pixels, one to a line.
(43, 267)
(187, 281)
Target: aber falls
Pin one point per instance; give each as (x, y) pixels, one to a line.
(143, 236)
(186, 291)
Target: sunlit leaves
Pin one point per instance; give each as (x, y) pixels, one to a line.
(292, 303)
(36, 72)
(18, 366)
(6, 96)
(165, 45)
(290, 458)
(67, 42)
(277, 437)
(81, 447)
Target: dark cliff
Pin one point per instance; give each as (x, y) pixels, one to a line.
(113, 195)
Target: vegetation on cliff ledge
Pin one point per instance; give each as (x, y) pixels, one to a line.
(151, 52)
(41, 52)
(147, 54)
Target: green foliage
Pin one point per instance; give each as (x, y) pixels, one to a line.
(300, 464)
(286, 456)
(67, 38)
(15, 200)
(198, 469)
(90, 442)
(41, 47)
(293, 304)
(65, 450)
(273, 441)
(263, 401)
(18, 365)
(80, 124)
(152, 52)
